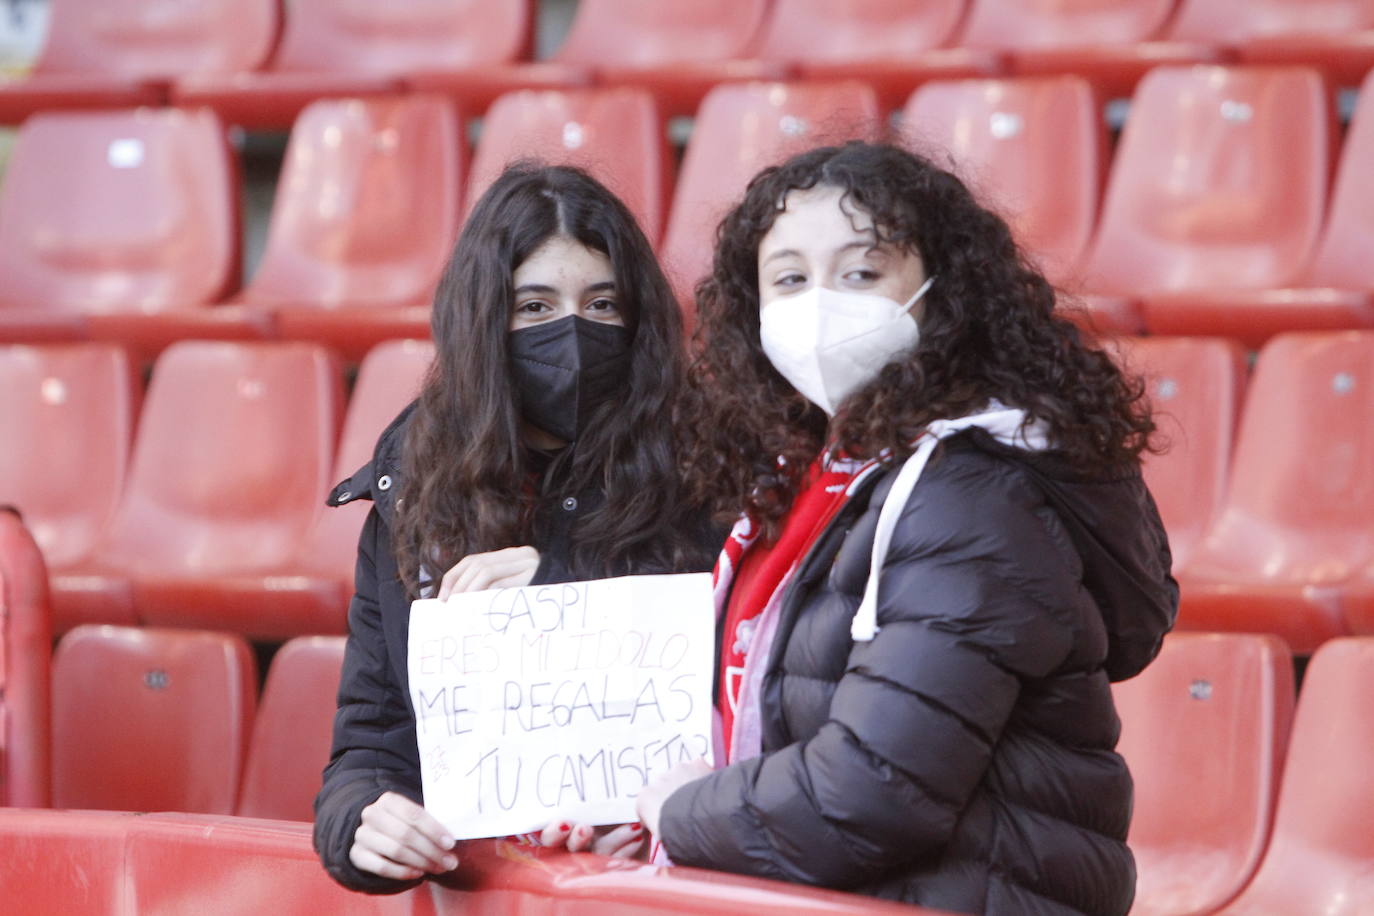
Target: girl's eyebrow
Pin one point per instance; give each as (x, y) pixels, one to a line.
(539, 288)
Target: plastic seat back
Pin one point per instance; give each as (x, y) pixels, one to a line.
(1034, 24)
(399, 36)
(150, 39)
(233, 451)
(665, 32)
(617, 135)
(368, 206)
(739, 130)
(1196, 386)
(150, 720)
(822, 31)
(293, 729)
(1220, 182)
(389, 378)
(1342, 259)
(1033, 148)
(1204, 729)
(68, 413)
(25, 650)
(1235, 21)
(118, 211)
(1300, 501)
(1318, 859)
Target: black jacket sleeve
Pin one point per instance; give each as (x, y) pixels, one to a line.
(977, 594)
(374, 748)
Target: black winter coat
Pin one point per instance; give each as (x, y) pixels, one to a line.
(374, 746)
(964, 759)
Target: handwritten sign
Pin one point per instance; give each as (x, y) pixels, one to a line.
(558, 701)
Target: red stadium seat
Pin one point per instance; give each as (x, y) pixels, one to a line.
(1033, 148)
(1336, 36)
(308, 591)
(292, 731)
(150, 720)
(739, 130)
(122, 53)
(68, 413)
(366, 214)
(891, 44)
(678, 49)
(616, 134)
(1333, 290)
(1196, 386)
(119, 224)
(356, 48)
(1204, 730)
(1295, 527)
(232, 455)
(1220, 182)
(25, 647)
(1111, 42)
(1319, 854)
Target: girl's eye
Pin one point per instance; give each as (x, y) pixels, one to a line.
(789, 280)
(533, 307)
(862, 275)
(601, 305)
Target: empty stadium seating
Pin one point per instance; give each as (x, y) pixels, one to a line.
(121, 53)
(1335, 35)
(1333, 287)
(1318, 859)
(1295, 526)
(332, 49)
(739, 130)
(1196, 386)
(618, 135)
(118, 223)
(678, 49)
(231, 459)
(891, 44)
(307, 590)
(25, 641)
(1033, 148)
(366, 214)
(1112, 42)
(292, 730)
(68, 412)
(1204, 729)
(150, 720)
(1220, 183)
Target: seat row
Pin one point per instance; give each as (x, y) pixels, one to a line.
(226, 53)
(1222, 213)
(204, 507)
(1242, 806)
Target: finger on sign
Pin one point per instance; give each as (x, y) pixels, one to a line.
(368, 861)
(555, 834)
(581, 838)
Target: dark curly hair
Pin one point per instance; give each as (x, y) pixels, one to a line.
(989, 330)
(465, 488)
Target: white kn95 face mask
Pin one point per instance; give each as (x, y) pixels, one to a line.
(829, 343)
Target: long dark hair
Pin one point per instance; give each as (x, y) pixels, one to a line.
(467, 474)
(989, 330)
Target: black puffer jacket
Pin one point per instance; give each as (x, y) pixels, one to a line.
(374, 748)
(963, 759)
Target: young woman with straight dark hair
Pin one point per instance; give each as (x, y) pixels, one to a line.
(946, 555)
(540, 450)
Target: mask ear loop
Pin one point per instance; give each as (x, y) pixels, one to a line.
(918, 296)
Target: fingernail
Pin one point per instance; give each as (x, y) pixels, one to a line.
(447, 841)
(450, 862)
(636, 827)
(565, 827)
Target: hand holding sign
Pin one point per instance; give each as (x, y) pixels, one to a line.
(558, 701)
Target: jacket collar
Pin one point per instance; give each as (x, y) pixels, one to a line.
(380, 479)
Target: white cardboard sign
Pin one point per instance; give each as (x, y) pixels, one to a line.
(558, 701)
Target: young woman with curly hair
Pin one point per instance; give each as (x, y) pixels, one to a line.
(946, 554)
(540, 450)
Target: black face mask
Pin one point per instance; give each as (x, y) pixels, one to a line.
(565, 369)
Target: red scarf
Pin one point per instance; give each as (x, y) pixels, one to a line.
(762, 568)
